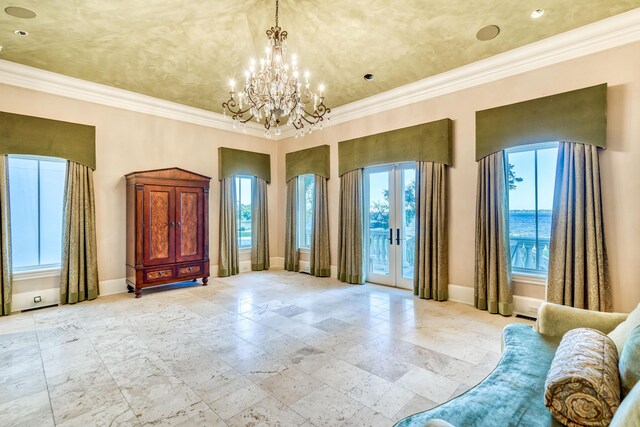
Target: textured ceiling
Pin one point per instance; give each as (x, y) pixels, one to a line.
(187, 51)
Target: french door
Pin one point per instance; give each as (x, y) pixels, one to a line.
(389, 214)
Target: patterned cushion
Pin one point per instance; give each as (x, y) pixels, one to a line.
(630, 362)
(583, 387)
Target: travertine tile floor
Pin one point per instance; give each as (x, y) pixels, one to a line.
(259, 349)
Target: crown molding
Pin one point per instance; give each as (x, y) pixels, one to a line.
(602, 35)
(23, 76)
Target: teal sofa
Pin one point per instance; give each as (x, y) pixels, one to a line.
(513, 394)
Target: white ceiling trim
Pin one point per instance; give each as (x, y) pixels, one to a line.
(32, 78)
(602, 35)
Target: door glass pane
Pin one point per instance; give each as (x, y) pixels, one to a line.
(52, 176)
(408, 221)
(23, 193)
(379, 223)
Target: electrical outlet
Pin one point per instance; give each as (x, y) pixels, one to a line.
(37, 299)
(533, 309)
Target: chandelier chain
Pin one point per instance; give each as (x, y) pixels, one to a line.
(276, 13)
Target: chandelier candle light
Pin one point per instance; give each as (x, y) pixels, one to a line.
(273, 91)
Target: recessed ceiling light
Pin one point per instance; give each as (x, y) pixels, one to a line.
(537, 13)
(368, 77)
(489, 32)
(21, 33)
(20, 12)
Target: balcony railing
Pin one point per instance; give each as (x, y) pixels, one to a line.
(379, 252)
(524, 254)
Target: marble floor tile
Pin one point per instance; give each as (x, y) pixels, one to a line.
(327, 407)
(393, 401)
(261, 348)
(22, 379)
(428, 384)
(415, 405)
(33, 410)
(369, 391)
(367, 417)
(290, 311)
(308, 359)
(385, 366)
(340, 375)
(266, 413)
(222, 385)
(208, 418)
(239, 400)
(290, 385)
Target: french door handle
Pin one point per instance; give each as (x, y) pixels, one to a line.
(397, 236)
(391, 236)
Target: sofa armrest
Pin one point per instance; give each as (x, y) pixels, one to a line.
(554, 320)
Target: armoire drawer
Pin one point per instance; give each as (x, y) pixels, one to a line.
(158, 274)
(189, 270)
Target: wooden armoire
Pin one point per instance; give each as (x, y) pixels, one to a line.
(167, 228)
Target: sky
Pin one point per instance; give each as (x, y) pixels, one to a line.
(523, 197)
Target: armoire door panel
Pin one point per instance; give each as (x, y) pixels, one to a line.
(189, 224)
(159, 224)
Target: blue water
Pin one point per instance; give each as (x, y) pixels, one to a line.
(523, 224)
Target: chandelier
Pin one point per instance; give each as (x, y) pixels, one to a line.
(273, 92)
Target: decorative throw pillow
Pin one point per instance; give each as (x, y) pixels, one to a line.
(620, 334)
(630, 362)
(583, 387)
(628, 414)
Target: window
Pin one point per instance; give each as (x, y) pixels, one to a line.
(531, 176)
(306, 192)
(243, 199)
(36, 193)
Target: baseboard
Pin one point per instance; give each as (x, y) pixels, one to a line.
(305, 266)
(521, 305)
(463, 294)
(112, 287)
(277, 262)
(24, 301)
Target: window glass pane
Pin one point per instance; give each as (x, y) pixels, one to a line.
(547, 159)
(52, 176)
(308, 209)
(243, 199)
(522, 209)
(23, 199)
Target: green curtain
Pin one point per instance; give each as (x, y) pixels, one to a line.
(5, 237)
(228, 254)
(291, 227)
(79, 273)
(350, 228)
(320, 254)
(259, 225)
(578, 268)
(493, 289)
(431, 263)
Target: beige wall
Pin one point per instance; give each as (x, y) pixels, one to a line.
(127, 141)
(620, 163)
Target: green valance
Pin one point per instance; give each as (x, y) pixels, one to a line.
(44, 137)
(426, 142)
(239, 162)
(310, 161)
(576, 116)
